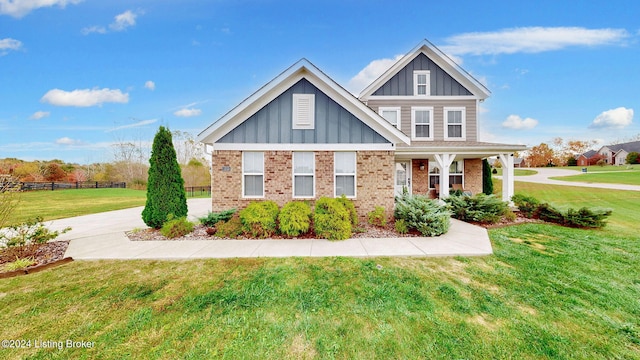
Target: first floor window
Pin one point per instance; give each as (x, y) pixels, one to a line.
(345, 173)
(303, 174)
(253, 174)
(434, 175)
(456, 172)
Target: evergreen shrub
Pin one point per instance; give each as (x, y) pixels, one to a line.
(295, 218)
(213, 218)
(377, 217)
(480, 208)
(332, 220)
(176, 227)
(422, 214)
(260, 218)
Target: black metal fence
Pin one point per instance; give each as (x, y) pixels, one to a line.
(54, 185)
(193, 191)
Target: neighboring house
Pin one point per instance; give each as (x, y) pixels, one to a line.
(303, 136)
(617, 154)
(591, 157)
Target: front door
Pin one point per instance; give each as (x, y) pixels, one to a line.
(403, 182)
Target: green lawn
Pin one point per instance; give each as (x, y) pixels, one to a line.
(606, 168)
(630, 177)
(518, 172)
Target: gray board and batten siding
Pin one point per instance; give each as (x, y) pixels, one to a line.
(273, 123)
(442, 84)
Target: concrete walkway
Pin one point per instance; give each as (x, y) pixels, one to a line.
(101, 236)
(544, 174)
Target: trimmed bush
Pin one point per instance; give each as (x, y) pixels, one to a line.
(587, 218)
(422, 214)
(259, 218)
(348, 204)
(176, 227)
(377, 217)
(528, 205)
(230, 229)
(295, 218)
(332, 220)
(213, 218)
(480, 208)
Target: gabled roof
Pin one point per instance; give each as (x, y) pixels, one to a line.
(301, 69)
(438, 57)
(628, 147)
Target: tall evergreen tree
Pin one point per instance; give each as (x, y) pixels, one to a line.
(487, 181)
(165, 187)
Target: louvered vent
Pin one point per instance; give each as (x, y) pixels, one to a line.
(303, 111)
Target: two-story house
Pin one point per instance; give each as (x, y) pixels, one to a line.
(303, 136)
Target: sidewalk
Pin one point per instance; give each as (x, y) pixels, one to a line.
(101, 236)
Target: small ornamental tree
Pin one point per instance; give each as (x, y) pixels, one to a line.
(633, 158)
(165, 187)
(487, 181)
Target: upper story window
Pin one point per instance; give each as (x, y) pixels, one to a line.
(421, 83)
(253, 174)
(303, 174)
(391, 114)
(422, 123)
(455, 123)
(304, 111)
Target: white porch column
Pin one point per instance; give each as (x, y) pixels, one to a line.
(508, 186)
(444, 161)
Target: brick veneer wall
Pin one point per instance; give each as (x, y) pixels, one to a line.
(420, 178)
(473, 175)
(375, 177)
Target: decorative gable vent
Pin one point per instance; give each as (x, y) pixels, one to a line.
(304, 111)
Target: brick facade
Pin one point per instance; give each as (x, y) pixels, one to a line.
(420, 178)
(473, 175)
(374, 183)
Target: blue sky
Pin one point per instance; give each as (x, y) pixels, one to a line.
(78, 75)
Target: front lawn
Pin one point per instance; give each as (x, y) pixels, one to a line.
(630, 177)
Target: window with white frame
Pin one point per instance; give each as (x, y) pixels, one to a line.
(422, 123)
(303, 174)
(253, 174)
(304, 111)
(434, 174)
(454, 119)
(421, 83)
(456, 172)
(391, 114)
(345, 173)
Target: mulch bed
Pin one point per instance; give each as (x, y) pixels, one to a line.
(43, 254)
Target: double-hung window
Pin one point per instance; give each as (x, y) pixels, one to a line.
(422, 123)
(421, 83)
(454, 119)
(345, 174)
(456, 173)
(303, 174)
(391, 114)
(253, 174)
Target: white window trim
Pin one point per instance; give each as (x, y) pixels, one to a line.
(461, 174)
(294, 174)
(413, 123)
(245, 173)
(355, 175)
(392, 108)
(446, 123)
(415, 83)
(296, 113)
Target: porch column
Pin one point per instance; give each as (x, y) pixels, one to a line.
(444, 161)
(507, 176)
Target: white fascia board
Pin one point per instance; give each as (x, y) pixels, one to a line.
(304, 147)
(438, 57)
(462, 150)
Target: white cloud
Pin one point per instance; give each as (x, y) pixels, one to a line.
(615, 118)
(39, 115)
(9, 44)
(531, 40)
(150, 85)
(188, 112)
(84, 97)
(20, 8)
(120, 23)
(370, 73)
(68, 141)
(517, 123)
(138, 124)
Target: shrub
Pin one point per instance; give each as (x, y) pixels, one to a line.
(527, 205)
(587, 218)
(487, 180)
(259, 218)
(295, 218)
(332, 220)
(348, 204)
(165, 187)
(19, 264)
(479, 208)
(548, 213)
(176, 227)
(230, 229)
(422, 214)
(30, 232)
(377, 217)
(401, 226)
(213, 218)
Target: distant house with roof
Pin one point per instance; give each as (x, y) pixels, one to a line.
(611, 154)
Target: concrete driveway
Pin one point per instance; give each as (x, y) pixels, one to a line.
(544, 174)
